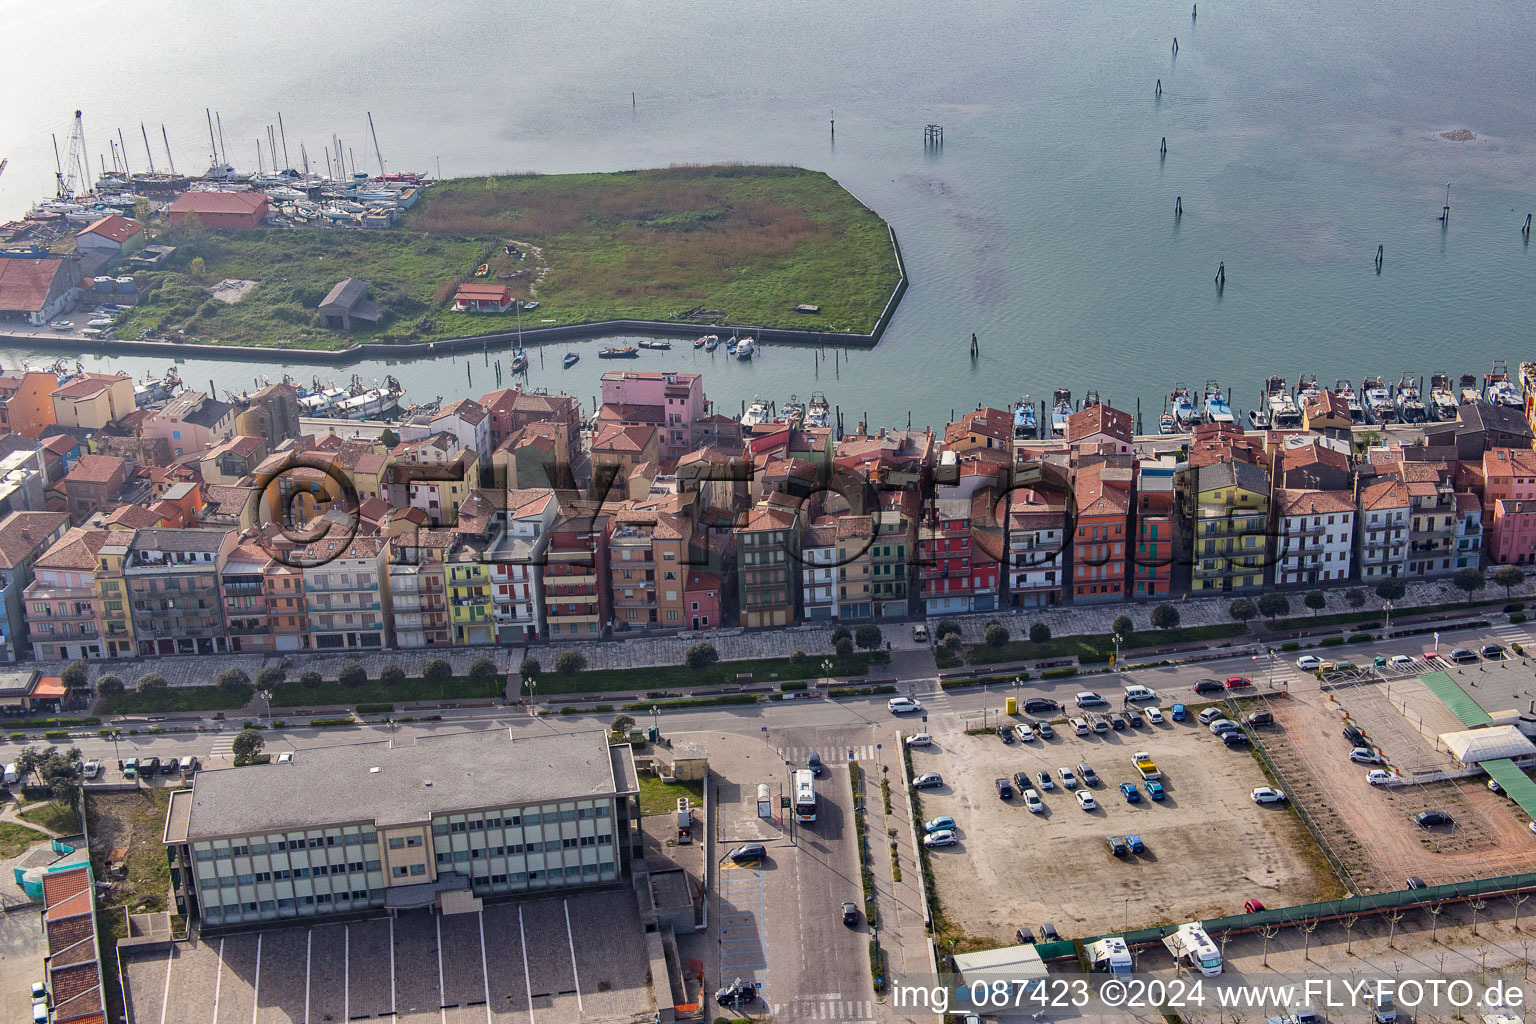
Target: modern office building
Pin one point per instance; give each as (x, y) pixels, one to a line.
(433, 822)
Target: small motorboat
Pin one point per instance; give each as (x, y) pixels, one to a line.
(756, 413)
(1061, 411)
(1182, 404)
(1258, 419)
(1378, 401)
(570, 360)
(1165, 424)
(818, 413)
(1217, 408)
(1410, 404)
(745, 348)
(711, 342)
(1346, 393)
(655, 343)
(519, 361)
(620, 352)
(1026, 424)
(1442, 398)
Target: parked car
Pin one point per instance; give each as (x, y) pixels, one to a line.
(149, 767)
(1210, 715)
(1432, 819)
(1133, 718)
(1209, 686)
(1004, 790)
(850, 913)
(1040, 706)
(737, 992)
(1033, 802)
(1415, 882)
(921, 739)
(1378, 777)
(1048, 933)
(1068, 780)
(1154, 789)
(1116, 845)
(1025, 733)
(1079, 726)
(902, 705)
(1365, 755)
(1045, 730)
(1222, 725)
(1024, 936)
(1085, 800)
(1238, 682)
(1462, 655)
(1252, 907)
(1495, 788)
(1400, 661)
(1354, 735)
(1493, 652)
(1021, 781)
(1134, 844)
(92, 769)
(1089, 699)
(1116, 721)
(170, 765)
(942, 823)
(1087, 774)
(933, 840)
(1097, 722)
(928, 780)
(286, 757)
(1309, 662)
(920, 633)
(1130, 792)
(1267, 795)
(1155, 715)
(1260, 718)
(1235, 738)
(1005, 734)
(1177, 712)
(1043, 779)
(1139, 693)
(749, 853)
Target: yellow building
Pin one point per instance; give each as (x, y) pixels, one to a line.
(1231, 527)
(114, 618)
(92, 400)
(469, 596)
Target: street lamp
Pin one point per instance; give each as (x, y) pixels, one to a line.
(656, 720)
(826, 672)
(1388, 627)
(1118, 639)
(116, 732)
(532, 683)
(266, 700)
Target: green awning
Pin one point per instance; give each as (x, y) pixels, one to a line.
(1458, 700)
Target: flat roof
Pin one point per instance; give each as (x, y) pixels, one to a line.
(409, 779)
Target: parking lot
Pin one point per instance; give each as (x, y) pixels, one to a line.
(1209, 847)
(579, 959)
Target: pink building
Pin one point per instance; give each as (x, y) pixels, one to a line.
(673, 402)
(703, 596)
(1512, 535)
(1507, 473)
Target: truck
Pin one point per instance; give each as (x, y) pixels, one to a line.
(1145, 765)
(1109, 954)
(1190, 943)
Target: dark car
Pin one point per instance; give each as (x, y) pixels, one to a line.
(1087, 774)
(749, 853)
(1024, 936)
(1040, 705)
(1116, 845)
(814, 764)
(170, 766)
(1430, 819)
(1004, 791)
(1045, 730)
(1462, 655)
(1493, 652)
(739, 991)
(1235, 738)
(1415, 882)
(1260, 718)
(1048, 933)
(1005, 734)
(1209, 686)
(1134, 717)
(850, 914)
(1021, 781)
(1116, 721)
(149, 766)
(1355, 736)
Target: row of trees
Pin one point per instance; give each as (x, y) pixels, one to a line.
(235, 681)
(55, 770)
(1468, 581)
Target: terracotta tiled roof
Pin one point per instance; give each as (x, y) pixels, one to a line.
(75, 550)
(614, 438)
(117, 228)
(97, 469)
(61, 885)
(1301, 502)
(1384, 494)
(24, 284)
(1100, 419)
(219, 202)
(466, 409)
(22, 533)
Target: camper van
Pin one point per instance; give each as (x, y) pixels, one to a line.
(1191, 943)
(1110, 954)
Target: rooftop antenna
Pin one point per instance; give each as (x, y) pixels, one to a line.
(376, 144)
(165, 138)
(145, 132)
(284, 135)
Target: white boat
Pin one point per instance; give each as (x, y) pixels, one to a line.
(1442, 398)
(1182, 405)
(1378, 400)
(1346, 393)
(1410, 406)
(1280, 409)
(756, 413)
(745, 348)
(1061, 411)
(1217, 408)
(818, 413)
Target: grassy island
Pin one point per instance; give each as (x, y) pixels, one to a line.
(732, 244)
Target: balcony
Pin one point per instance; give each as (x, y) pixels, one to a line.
(243, 589)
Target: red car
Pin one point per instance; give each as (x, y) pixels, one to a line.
(1252, 907)
(1238, 682)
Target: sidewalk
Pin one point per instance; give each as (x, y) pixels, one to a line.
(202, 670)
(903, 937)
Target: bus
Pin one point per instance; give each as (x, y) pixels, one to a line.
(805, 795)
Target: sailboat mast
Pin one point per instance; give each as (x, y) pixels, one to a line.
(165, 138)
(147, 150)
(286, 164)
(124, 147)
(376, 144)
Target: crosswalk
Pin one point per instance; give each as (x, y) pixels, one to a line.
(831, 1007)
(223, 745)
(1509, 633)
(830, 754)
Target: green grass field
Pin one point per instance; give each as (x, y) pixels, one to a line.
(680, 677)
(297, 695)
(749, 242)
(174, 698)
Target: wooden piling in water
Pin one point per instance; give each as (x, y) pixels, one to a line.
(1159, 90)
(1163, 149)
(1178, 206)
(1221, 275)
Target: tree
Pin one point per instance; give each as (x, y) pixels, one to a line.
(232, 680)
(1242, 609)
(996, 635)
(392, 677)
(1391, 590)
(150, 682)
(530, 667)
(74, 675)
(1349, 921)
(28, 761)
(621, 725)
(945, 628)
(270, 678)
(1315, 600)
(311, 679)
(109, 685)
(437, 671)
(1354, 597)
(570, 663)
(141, 210)
(248, 743)
(700, 655)
(198, 267)
(1165, 617)
(1123, 625)
(388, 438)
(483, 670)
(797, 657)
(1468, 581)
(841, 633)
(1508, 577)
(1274, 605)
(844, 648)
(352, 675)
(1039, 633)
(868, 636)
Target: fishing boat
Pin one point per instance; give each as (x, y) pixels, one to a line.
(1280, 408)
(655, 343)
(570, 360)
(1026, 423)
(1165, 424)
(1346, 393)
(1378, 401)
(794, 410)
(1061, 411)
(1470, 392)
(1258, 419)
(619, 352)
(1442, 399)
(519, 361)
(756, 413)
(153, 391)
(817, 412)
(1217, 408)
(1307, 389)
(1502, 390)
(364, 403)
(746, 348)
(1181, 405)
(711, 342)
(1410, 405)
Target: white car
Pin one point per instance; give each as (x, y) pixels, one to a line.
(1365, 755)
(1085, 800)
(1043, 778)
(943, 837)
(1154, 715)
(1026, 734)
(1138, 692)
(1400, 661)
(1079, 726)
(921, 739)
(1222, 725)
(286, 757)
(1267, 795)
(1033, 802)
(101, 321)
(91, 769)
(1068, 780)
(1378, 776)
(1309, 663)
(902, 705)
(1089, 699)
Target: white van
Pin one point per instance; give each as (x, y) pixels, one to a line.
(10, 774)
(188, 765)
(1140, 693)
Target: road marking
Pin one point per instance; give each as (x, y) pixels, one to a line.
(485, 970)
(527, 979)
(571, 941)
(218, 979)
(165, 1000)
(256, 985)
(392, 1003)
(309, 947)
(442, 998)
